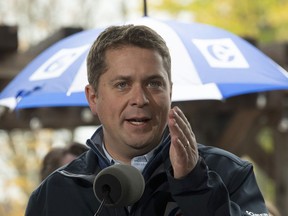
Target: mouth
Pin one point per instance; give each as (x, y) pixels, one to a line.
(138, 121)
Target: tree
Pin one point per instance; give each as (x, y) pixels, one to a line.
(38, 18)
(264, 20)
(21, 154)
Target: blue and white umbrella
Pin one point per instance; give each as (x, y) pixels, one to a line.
(207, 63)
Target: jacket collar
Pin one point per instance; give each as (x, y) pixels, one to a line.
(89, 164)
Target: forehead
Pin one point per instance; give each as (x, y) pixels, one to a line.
(131, 59)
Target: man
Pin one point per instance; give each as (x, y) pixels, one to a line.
(129, 74)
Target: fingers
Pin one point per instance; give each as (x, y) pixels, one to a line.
(183, 149)
(181, 128)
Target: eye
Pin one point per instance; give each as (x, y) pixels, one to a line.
(121, 85)
(155, 84)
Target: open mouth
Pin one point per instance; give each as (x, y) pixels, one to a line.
(138, 121)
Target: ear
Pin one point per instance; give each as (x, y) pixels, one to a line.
(171, 88)
(91, 97)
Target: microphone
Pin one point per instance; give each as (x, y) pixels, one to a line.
(118, 185)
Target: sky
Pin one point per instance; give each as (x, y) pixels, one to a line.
(37, 19)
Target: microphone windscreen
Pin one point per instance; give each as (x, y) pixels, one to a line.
(124, 185)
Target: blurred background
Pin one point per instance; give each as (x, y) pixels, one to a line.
(253, 126)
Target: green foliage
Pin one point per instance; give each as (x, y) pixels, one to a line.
(264, 20)
(21, 156)
(265, 140)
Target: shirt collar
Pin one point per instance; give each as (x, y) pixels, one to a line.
(138, 162)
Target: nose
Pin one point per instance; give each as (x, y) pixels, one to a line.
(139, 96)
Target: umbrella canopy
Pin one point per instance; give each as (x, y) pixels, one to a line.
(207, 63)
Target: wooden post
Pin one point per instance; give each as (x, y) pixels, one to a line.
(281, 170)
(145, 8)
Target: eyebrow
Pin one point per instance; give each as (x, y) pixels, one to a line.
(120, 77)
(123, 77)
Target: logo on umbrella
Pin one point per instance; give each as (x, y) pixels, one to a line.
(57, 64)
(221, 53)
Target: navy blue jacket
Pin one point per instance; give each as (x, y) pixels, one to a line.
(221, 184)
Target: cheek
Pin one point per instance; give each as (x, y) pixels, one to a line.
(163, 105)
(104, 107)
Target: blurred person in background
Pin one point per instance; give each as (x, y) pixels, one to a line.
(59, 156)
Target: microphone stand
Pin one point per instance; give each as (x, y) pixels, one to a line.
(100, 208)
(106, 193)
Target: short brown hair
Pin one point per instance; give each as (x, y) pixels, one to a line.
(115, 37)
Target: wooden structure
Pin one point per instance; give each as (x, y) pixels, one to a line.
(233, 124)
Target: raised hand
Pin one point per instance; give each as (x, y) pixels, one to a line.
(183, 149)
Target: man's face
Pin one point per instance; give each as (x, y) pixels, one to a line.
(132, 101)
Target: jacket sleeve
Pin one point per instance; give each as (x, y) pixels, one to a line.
(36, 205)
(203, 193)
